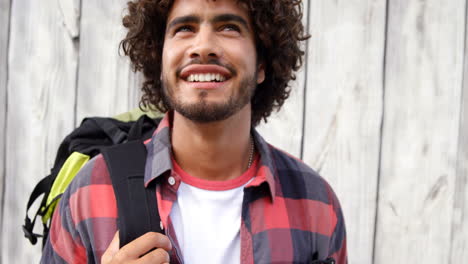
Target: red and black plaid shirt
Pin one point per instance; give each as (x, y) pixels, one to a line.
(289, 215)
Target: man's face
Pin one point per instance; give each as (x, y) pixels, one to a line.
(209, 69)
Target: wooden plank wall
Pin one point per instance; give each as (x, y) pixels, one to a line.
(344, 109)
(4, 26)
(379, 109)
(42, 65)
(424, 72)
(104, 76)
(459, 232)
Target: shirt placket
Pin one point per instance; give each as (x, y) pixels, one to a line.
(171, 183)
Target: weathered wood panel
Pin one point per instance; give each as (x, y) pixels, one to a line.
(419, 148)
(344, 109)
(106, 85)
(459, 243)
(41, 97)
(285, 128)
(4, 25)
(423, 173)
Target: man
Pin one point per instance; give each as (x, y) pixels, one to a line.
(217, 67)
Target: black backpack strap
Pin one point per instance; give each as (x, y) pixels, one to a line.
(110, 128)
(43, 187)
(327, 261)
(143, 128)
(137, 205)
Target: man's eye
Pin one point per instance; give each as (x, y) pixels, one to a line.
(230, 27)
(184, 29)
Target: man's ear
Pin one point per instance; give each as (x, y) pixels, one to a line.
(260, 73)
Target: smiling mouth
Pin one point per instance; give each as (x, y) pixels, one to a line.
(205, 77)
(205, 73)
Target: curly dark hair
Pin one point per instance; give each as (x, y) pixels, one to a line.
(278, 31)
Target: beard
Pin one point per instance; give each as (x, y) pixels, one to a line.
(203, 111)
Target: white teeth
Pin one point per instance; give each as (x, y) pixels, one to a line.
(206, 77)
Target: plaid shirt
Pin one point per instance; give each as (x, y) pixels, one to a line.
(289, 214)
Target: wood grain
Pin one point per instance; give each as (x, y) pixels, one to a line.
(459, 239)
(41, 97)
(106, 85)
(344, 109)
(284, 129)
(4, 26)
(419, 146)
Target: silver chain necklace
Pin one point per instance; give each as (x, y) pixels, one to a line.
(251, 152)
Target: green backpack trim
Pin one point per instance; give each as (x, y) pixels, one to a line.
(136, 113)
(66, 174)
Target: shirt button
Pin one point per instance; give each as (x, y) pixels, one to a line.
(161, 225)
(171, 180)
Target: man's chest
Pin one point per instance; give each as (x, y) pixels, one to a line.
(206, 225)
(259, 232)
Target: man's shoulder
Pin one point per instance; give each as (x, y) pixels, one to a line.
(93, 173)
(85, 219)
(297, 180)
(293, 166)
(96, 172)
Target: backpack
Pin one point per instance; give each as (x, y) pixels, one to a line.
(120, 140)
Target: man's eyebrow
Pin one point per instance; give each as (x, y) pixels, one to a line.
(216, 19)
(230, 17)
(183, 20)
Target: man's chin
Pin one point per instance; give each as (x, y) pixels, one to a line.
(207, 107)
(206, 112)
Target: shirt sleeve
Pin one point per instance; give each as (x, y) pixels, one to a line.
(85, 220)
(63, 244)
(337, 248)
(69, 239)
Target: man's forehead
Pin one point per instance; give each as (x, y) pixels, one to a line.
(208, 8)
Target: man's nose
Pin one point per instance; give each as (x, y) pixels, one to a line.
(205, 45)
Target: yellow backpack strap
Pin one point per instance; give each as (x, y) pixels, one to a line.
(66, 174)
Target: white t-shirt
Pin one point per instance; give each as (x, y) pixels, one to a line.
(207, 217)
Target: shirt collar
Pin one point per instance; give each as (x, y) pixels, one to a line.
(158, 160)
(267, 169)
(159, 156)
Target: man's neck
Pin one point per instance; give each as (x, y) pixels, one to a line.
(213, 151)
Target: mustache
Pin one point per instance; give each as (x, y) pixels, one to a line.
(212, 61)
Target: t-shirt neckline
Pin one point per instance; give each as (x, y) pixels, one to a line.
(217, 185)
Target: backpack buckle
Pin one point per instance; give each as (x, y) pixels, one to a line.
(28, 231)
